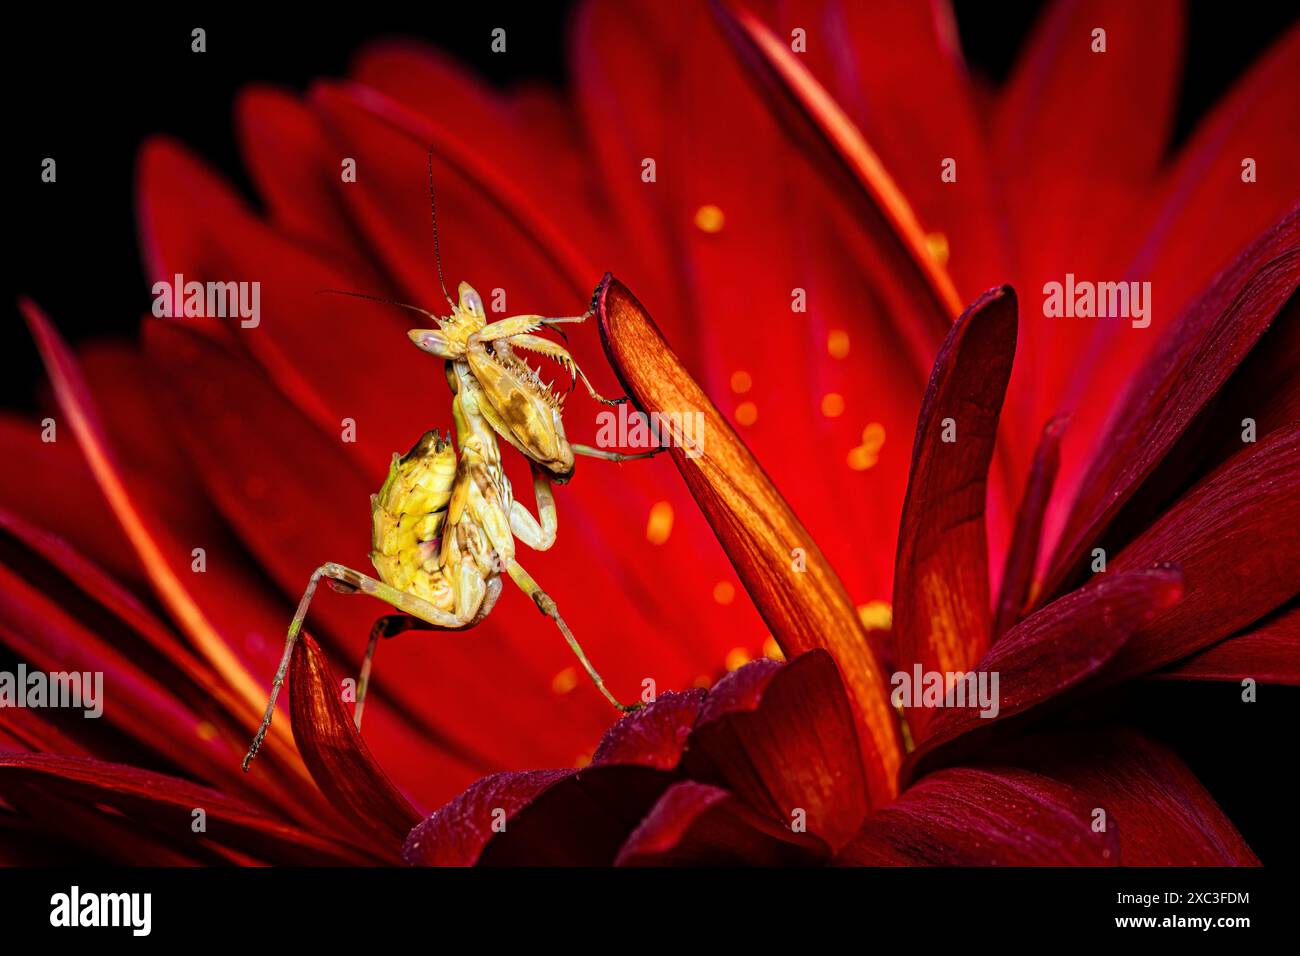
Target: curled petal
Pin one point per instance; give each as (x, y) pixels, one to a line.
(580, 819)
(781, 738)
(804, 609)
(456, 833)
(697, 824)
(337, 757)
(941, 581)
(654, 736)
(1022, 557)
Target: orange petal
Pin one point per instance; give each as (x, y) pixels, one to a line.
(941, 579)
(800, 597)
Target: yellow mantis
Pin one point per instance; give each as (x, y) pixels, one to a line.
(445, 524)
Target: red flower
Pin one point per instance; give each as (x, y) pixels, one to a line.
(227, 439)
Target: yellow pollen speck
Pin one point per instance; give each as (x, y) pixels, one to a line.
(772, 649)
(565, 681)
(724, 592)
(867, 454)
(876, 615)
(746, 413)
(709, 218)
(660, 523)
(837, 343)
(205, 730)
(741, 382)
(936, 243)
(832, 404)
(737, 658)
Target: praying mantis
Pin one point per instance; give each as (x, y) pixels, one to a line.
(445, 524)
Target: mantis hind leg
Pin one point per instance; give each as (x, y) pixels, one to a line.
(602, 453)
(546, 604)
(353, 582)
(390, 625)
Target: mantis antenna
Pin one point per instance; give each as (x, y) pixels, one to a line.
(433, 213)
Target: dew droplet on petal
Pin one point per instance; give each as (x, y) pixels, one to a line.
(741, 382)
(724, 592)
(746, 413)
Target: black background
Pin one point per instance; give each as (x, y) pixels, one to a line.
(87, 88)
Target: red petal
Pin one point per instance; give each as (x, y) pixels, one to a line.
(697, 825)
(718, 152)
(337, 757)
(911, 96)
(1269, 652)
(49, 482)
(782, 739)
(321, 351)
(75, 400)
(654, 736)
(755, 526)
(1057, 648)
(902, 240)
(143, 705)
(292, 162)
(215, 756)
(456, 834)
(581, 820)
(941, 581)
(1056, 124)
(1187, 371)
(1163, 814)
(1204, 214)
(1236, 536)
(164, 805)
(983, 817)
(1022, 557)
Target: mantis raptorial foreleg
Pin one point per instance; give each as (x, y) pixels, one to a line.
(537, 534)
(546, 604)
(355, 581)
(516, 331)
